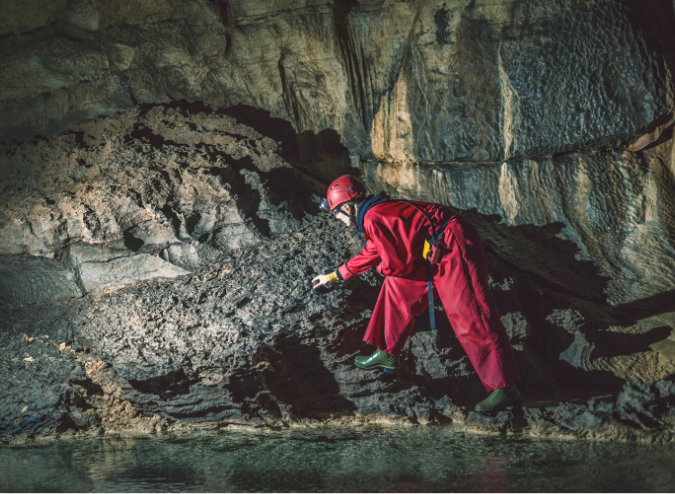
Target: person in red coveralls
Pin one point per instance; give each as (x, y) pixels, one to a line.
(418, 245)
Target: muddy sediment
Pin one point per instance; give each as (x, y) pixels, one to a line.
(156, 274)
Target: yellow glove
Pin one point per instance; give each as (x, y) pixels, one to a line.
(325, 278)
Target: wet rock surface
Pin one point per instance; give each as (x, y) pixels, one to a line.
(233, 331)
(160, 176)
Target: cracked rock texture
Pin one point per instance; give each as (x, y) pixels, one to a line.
(131, 198)
(410, 81)
(519, 109)
(160, 168)
(157, 272)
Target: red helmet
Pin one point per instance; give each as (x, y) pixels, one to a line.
(341, 190)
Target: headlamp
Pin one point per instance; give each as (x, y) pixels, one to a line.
(324, 205)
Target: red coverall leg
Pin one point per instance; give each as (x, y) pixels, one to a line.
(461, 281)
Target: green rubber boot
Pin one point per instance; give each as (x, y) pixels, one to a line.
(499, 399)
(380, 359)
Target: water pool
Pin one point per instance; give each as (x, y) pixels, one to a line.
(368, 459)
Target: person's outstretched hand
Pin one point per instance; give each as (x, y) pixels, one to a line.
(322, 280)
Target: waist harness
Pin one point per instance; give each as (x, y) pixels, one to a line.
(433, 250)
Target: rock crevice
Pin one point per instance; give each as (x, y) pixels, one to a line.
(162, 162)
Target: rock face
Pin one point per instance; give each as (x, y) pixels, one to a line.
(128, 198)
(542, 97)
(161, 165)
(228, 328)
(607, 211)
(411, 81)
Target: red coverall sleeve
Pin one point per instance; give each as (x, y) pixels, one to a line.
(360, 263)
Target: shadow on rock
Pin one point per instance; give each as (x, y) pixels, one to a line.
(610, 344)
(651, 306)
(320, 155)
(295, 374)
(540, 250)
(167, 386)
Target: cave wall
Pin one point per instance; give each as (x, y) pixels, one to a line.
(530, 111)
(146, 193)
(409, 81)
(159, 160)
(607, 212)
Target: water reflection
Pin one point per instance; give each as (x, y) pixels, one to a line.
(385, 459)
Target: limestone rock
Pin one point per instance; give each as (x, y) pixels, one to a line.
(608, 211)
(405, 81)
(161, 164)
(127, 199)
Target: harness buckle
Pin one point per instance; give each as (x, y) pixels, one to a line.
(432, 251)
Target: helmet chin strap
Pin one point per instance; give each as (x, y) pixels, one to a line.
(352, 218)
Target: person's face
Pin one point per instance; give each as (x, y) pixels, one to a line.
(343, 213)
